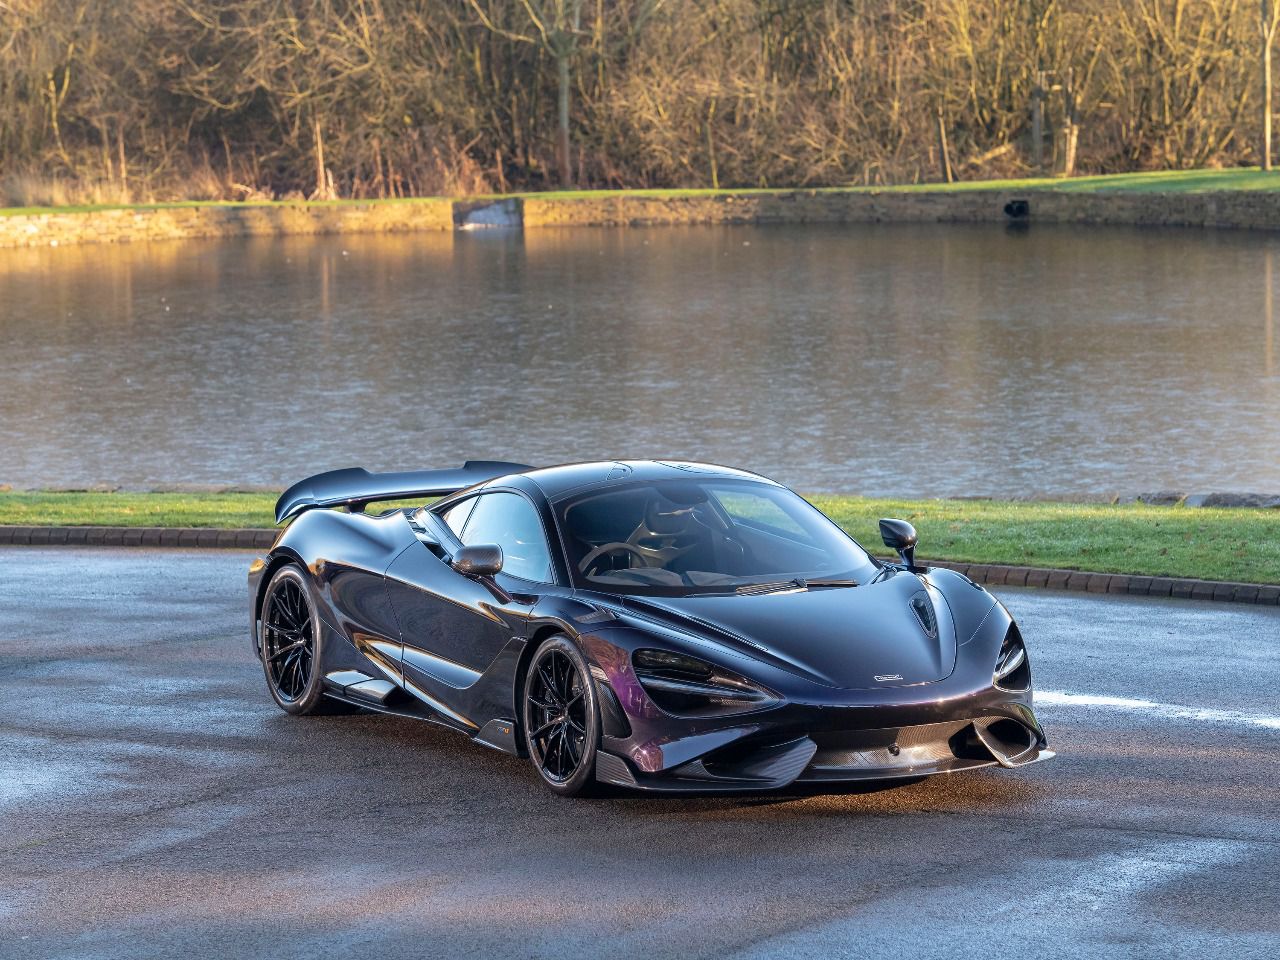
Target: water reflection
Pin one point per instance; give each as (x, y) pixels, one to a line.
(1269, 319)
(880, 359)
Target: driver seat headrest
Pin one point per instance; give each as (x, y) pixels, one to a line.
(666, 519)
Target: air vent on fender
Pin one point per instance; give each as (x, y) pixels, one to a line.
(922, 607)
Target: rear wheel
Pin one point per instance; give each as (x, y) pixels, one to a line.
(561, 718)
(291, 644)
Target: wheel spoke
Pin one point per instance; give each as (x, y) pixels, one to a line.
(567, 676)
(549, 684)
(289, 649)
(295, 603)
(545, 727)
(574, 755)
(560, 752)
(282, 612)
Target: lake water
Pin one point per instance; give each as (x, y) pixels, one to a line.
(921, 360)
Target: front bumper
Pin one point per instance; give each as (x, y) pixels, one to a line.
(772, 760)
(808, 743)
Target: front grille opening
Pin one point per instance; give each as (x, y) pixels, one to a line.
(965, 745)
(776, 757)
(734, 755)
(1008, 740)
(1012, 734)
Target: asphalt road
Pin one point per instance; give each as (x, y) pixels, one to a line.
(154, 803)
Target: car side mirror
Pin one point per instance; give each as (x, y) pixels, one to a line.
(478, 560)
(900, 536)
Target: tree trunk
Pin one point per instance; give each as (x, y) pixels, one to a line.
(124, 170)
(1268, 35)
(1070, 126)
(944, 151)
(320, 179)
(1037, 123)
(711, 146)
(562, 68)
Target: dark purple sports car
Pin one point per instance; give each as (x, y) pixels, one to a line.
(653, 625)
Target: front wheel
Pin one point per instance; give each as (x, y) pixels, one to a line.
(561, 718)
(291, 644)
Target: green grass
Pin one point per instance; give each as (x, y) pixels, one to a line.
(1168, 181)
(137, 509)
(183, 204)
(1165, 181)
(1131, 538)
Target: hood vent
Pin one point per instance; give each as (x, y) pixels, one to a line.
(922, 607)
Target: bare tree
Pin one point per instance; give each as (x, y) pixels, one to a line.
(557, 27)
(1268, 20)
(233, 98)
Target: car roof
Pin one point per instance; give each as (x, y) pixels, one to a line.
(556, 482)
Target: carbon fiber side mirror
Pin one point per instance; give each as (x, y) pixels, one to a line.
(900, 536)
(478, 560)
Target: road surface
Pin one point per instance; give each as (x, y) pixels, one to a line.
(154, 803)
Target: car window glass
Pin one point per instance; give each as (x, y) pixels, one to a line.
(456, 516)
(510, 521)
(753, 508)
(690, 536)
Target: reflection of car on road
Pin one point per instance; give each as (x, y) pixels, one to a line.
(660, 626)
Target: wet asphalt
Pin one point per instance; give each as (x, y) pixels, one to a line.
(154, 803)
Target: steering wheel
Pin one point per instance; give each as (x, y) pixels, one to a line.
(588, 562)
(642, 540)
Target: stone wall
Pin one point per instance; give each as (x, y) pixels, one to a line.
(224, 220)
(1243, 209)
(1246, 209)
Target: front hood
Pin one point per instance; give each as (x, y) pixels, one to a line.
(846, 637)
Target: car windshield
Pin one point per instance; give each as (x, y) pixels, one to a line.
(703, 536)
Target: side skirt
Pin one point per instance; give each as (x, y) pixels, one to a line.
(491, 735)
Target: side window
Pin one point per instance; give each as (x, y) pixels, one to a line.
(456, 516)
(510, 521)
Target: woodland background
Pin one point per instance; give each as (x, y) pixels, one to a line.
(118, 100)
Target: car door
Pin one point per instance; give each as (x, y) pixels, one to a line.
(455, 627)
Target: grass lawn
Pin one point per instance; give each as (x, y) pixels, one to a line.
(1133, 538)
(1165, 181)
(1168, 181)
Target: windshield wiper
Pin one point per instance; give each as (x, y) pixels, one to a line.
(794, 583)
(773, 586)
(831, 582)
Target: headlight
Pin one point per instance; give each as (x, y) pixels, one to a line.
(1013, 669)
(691, 687)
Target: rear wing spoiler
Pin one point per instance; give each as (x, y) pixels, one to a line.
(356, 487)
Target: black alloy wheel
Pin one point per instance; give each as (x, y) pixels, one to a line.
(561, 725)
(290, 644)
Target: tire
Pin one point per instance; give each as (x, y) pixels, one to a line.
(291, 649)
(561, 718)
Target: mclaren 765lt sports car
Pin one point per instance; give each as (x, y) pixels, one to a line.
(653, 625)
